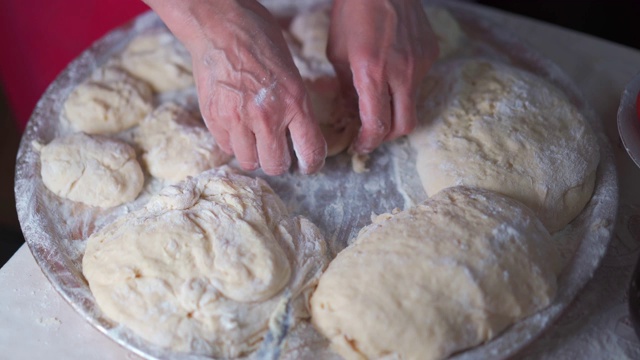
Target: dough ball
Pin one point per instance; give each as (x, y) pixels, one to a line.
(311, 29)
(446, 28)
(205, 264)
(175, 144)
(93, 170)
(443, 276)
(492, 126)
(159, 59)
(307, 41)
(108, 102)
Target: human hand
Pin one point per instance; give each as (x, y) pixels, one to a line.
(249, 90)
(381, 50)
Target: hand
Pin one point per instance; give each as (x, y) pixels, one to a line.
(381, 49)
(249, 90)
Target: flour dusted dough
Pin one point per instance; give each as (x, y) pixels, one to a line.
(202, 267)
(159, 59)
(438, 278)
(308, 43)
(176, 144)
(447, 30)
(492, 126)
(93, 170)
(108, 102)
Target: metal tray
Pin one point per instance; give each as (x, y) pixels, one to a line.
(339, 201)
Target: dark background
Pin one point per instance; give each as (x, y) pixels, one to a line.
(618, 21)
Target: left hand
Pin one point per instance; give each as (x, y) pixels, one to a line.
(381, 49)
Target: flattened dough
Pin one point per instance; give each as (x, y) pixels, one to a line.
(159, 59)
(438, 278)
(202, 267)
(93, 170)
(492, 126)
(176, 144)
(109, 102)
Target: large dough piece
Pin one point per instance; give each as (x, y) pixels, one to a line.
(438, 278)
(93, 170)
(493, 126)
(204, 265)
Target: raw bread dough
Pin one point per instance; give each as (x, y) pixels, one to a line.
(204, 265)
(93, 170)
(307, 41)
(493, 126)
(160, 59)
(441, 277)
(108, 102)
(447, 30)
(176, 144)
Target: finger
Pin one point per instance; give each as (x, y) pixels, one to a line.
(273, 153)
(403, 100)
(308, 143)
(375, 110)
(243, 143)
(221, 136)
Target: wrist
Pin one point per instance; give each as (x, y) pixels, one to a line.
(193, 20)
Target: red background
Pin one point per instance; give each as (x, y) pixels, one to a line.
(39, 38)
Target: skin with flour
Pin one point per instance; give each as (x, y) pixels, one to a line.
(251, 94)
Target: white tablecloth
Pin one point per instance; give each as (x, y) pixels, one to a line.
(36, 323)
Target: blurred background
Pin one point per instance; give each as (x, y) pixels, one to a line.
(39, 38)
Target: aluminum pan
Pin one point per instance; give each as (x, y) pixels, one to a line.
(338, 200)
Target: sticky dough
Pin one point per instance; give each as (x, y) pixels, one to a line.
(492, 126)
(204, 265)
(441, 277)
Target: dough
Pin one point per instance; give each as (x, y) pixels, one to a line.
(447, 30)
(160, 59)
(492, 126)
(176, 144)
(93, 170)
(307, 41)
(202, 267)
(108, 102)
(441, 277)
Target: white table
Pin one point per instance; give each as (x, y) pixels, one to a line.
(36, 323)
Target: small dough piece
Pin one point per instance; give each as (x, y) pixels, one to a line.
(443, 276)
(176, 144)
(158, 58)
(450, 36)
(205, 264)
(307, 43)
(93, 170)
(489, 125)
(109, 102)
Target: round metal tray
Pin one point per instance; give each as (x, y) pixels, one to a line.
(339, 201)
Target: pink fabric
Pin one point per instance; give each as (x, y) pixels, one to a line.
(38, 38)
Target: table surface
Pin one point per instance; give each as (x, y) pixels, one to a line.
(37, 323)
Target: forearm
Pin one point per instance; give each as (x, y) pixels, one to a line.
(193, 20)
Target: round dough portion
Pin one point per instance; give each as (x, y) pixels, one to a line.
(109, 102)
(441, 277)
(205, 264)
(307, 41)
(176, 144)
(93, 170)
(488, 125)
(159, 59)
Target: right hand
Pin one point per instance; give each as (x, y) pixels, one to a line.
(249, 90)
